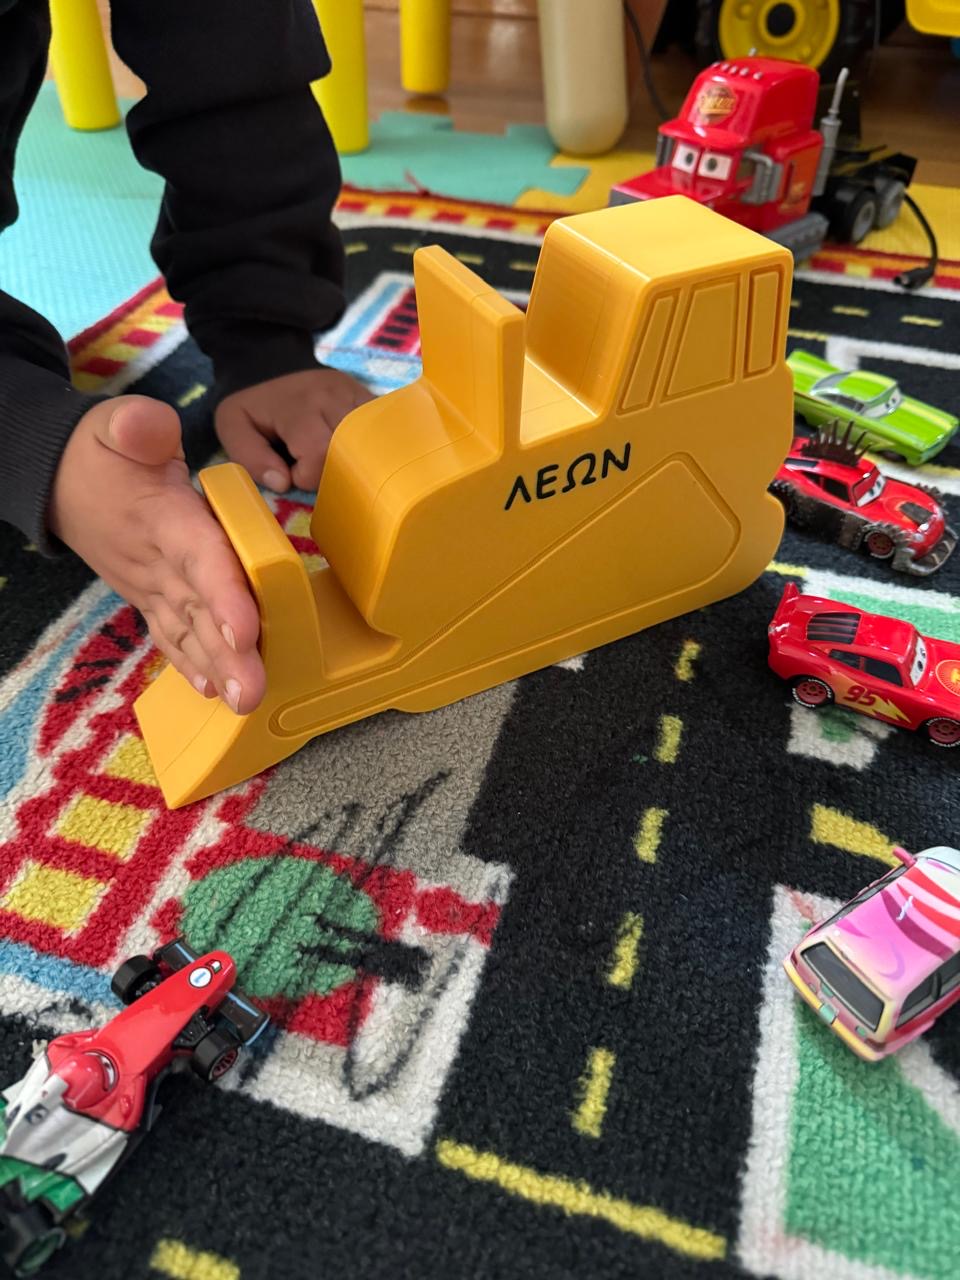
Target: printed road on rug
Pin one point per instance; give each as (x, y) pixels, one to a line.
(522, 954)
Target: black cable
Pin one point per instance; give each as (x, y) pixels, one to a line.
(654, 97)
(917, 276)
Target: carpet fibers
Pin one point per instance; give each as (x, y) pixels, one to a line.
(521, 954)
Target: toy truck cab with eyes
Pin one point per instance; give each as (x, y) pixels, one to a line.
(746, 145)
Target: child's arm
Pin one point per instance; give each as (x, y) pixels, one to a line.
(38, 410)
(245, 237)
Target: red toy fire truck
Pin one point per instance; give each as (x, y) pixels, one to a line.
(745, 144)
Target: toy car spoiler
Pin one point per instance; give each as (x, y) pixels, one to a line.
(247, 1020)
(786, 605)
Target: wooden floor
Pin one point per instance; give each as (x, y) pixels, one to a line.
(910, 95)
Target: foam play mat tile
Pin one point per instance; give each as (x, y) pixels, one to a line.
(87, 212)
(412, 151)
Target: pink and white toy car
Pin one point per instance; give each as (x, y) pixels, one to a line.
(882, 970)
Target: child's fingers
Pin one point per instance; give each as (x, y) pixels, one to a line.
(246, 445)
(239, 676)
(361, 395)
(202, 572)
(307, 438)
(175, 655)
(182, 644)
(212, 577)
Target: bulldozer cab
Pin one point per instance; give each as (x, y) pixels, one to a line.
(629, 316)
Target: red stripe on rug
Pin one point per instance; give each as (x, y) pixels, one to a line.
(87, 336)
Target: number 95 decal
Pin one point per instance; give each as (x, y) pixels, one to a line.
(861, 695)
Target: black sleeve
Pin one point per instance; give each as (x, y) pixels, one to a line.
(245, 237)
(38, 407)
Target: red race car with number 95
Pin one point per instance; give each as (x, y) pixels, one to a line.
(837, 653)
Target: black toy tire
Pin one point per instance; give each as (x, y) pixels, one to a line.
(134, 977)
(29, 1239)
(857, 217)
(215, 1055)
(890, 204)
(856, 33)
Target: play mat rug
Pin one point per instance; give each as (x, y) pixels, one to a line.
(522, 955)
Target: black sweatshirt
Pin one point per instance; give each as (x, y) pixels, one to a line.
(244, 236)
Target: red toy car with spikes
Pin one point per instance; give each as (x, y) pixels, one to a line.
(882, 667)
(827, 486)
(91, 1095)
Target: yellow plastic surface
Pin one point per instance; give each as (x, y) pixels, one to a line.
(343, 93)
(935, 17)
(425, 45)
(551, 483)
(81, 66)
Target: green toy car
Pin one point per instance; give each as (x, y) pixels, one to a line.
(893, 424)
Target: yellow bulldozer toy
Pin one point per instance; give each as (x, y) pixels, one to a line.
(552, 482)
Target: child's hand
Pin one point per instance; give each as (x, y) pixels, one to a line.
(122, 499)
(301, 409)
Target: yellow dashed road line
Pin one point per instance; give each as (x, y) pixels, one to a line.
(578, 1198)
(173, 1258)
(830, 826)
(472, 259)
(809, 333)
(927, 321)
(3, 583)
(648, 837)
(405, 248)
(788, 570)
(668, 746)
(523, 266)
(188, 397)
(689, 653)
(594, 1086)
(624, 966)
(849, 311)
(356, 247)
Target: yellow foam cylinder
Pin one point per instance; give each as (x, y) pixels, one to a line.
(425, 45)
(81, 67)
(583, 55)
(343, 93)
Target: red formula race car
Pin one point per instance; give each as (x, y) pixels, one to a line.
(882, 667)
(827, 486)
(90, 1096)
